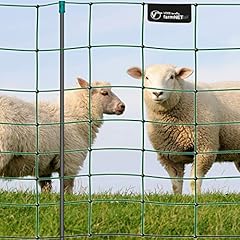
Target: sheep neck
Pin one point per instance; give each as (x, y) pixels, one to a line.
(77, 109)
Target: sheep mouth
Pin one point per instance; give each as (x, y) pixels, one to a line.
(119, 112)
(159, 101)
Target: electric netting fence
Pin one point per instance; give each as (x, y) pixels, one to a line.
(143, 201)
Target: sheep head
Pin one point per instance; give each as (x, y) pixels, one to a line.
(102, 96)
(160, 78)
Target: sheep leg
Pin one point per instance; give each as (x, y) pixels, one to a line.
(72, 164)
(46, 185)
(237, 164)
(176, 172)
(68, 185)
(203, 164)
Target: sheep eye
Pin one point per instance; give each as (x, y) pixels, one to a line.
(172, 77)
(104, 93)
(147, 78)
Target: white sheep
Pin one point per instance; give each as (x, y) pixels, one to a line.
(18, 141)
(174, 114)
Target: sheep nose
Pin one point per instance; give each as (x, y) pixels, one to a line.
(121, 106)
(157, 94)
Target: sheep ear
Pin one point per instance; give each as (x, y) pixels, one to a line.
(135, 72)
(183, 72)
(83, 83)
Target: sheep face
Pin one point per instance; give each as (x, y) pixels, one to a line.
(156, 80)
(104, 97)
(111, 104)
(160, 78)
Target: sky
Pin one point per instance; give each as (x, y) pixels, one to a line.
(116, 24)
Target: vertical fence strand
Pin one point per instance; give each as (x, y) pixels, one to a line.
(61, 11)
(143, 124)
(90, 123)
(195, 124)
(37, 124)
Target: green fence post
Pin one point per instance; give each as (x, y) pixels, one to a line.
(61, 12)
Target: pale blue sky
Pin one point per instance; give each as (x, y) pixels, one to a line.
(117, 24)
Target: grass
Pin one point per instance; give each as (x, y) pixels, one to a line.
(160, 217)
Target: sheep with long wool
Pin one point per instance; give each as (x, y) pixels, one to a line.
(173, 111)
(22, 153)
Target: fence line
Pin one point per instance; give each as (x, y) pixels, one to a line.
(143, 201)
